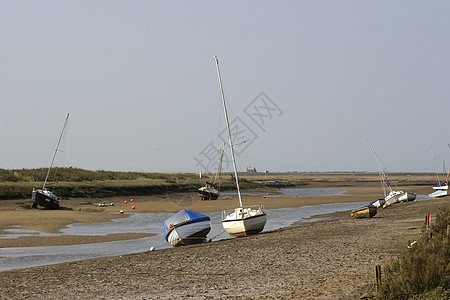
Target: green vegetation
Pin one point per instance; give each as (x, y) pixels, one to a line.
(423, 271)
(80, 183)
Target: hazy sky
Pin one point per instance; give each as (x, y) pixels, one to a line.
(308, 82)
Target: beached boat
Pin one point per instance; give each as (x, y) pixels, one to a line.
(209, 191)
(439, 193)
(393, 196)
(398, 196)
(367, 211)
(43, 196)
(241, 221)
(378, 203)
(441, 189)
(186, 227)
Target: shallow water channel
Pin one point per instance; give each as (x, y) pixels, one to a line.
(24, 257)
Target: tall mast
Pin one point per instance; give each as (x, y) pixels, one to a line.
(384, 179)
(219, 167)
(56, 150)
(229, 132)
(435, 168)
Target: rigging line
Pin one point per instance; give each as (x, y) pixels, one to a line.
(218, 234)
(435, 167)
(383, 176)
(54, 155)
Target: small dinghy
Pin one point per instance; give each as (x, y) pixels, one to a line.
(367, 211)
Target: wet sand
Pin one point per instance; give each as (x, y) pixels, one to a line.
(331, 259)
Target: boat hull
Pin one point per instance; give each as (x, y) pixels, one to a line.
(244, 221)
(438, 193)
(368, 211)
(441, 187)
(398, 196)
(186, 227)
(45, 199)
(378, 202)
(208, 193)
(189, 233)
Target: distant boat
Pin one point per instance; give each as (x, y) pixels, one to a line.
(44, 197)
(186, 227)
(367, 211)
(393, 196)
(241, 221)
(209, 191)
(439, 193)
(441, 189)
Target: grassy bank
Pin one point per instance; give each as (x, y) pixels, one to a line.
(80, 183)
(423, 270)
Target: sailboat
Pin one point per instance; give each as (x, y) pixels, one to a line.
(441, 189)
(209, 191)
(393, 196)
(241, 221)
(43, 196)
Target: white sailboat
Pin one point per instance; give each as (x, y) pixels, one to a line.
(43, 196)
(393, 196)
(441, 189)
(241, 221)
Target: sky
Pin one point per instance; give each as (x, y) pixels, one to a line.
(307, 83)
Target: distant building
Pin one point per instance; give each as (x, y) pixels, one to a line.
(251, 169)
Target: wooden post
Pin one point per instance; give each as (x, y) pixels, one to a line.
(378, 275)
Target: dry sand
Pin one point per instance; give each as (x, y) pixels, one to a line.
(331, 259)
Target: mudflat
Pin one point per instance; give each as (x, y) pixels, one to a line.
(334, 258)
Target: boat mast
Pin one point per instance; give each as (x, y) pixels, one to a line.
(229, 132)
(219, 167)
(435, 168)
(384, 178)
(56, 150)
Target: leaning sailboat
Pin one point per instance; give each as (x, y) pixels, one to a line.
(393, 196)
(241, 221)
(43, 196)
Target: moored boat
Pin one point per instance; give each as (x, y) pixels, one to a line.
(43, 196)
(439, 193)
(208, 192)
(398, 196)
(186, 227)
(367, 211)
(441, 189)
(393, 196)
(242, 221)
(378, 203)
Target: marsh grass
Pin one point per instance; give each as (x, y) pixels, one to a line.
(75, 182)
(80, 183)
(423, 270)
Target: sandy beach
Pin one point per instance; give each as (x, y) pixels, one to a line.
(334, 258)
